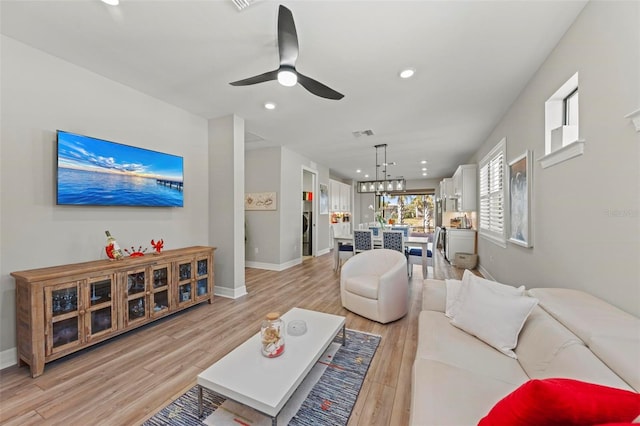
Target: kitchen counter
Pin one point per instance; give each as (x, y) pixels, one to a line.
(459, 241)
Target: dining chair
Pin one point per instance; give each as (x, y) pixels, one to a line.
(404, 229)
(362, 240)
(345, 250)
(393, 240)
(414, 254)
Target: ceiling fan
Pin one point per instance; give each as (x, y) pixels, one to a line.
(286, 74)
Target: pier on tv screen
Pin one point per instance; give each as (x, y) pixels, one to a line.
(96, 172)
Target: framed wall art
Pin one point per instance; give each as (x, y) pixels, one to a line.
(260, 201)
(520, 179)
(324, 199)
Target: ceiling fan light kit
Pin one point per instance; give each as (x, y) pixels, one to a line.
(287, 77)
(286, 74)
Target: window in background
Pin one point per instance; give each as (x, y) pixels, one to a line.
(491, 177)
(415, 210)
(561, 125)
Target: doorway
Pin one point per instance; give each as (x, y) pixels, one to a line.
(308, 217)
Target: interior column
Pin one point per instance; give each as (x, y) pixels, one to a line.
(226, 204)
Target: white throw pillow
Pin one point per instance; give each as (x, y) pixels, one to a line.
(453, 291)
(470, 279)
(494, 317)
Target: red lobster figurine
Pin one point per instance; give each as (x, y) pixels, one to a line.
(157, 245)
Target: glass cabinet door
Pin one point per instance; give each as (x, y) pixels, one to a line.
(100, 317)
(203, 281)
(136, 301)
(186, 271)
(161, 276)
(62, 316)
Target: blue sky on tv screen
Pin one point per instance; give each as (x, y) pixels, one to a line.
(84, 153)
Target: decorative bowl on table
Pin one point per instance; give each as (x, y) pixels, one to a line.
(296, 328)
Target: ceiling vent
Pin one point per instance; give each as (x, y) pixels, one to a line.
(243, 4)
(359, 133)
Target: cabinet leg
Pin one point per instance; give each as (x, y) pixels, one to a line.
(37, 368)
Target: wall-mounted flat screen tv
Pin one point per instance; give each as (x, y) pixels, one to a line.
(101, 173)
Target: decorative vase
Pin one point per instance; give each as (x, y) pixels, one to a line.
(272, 335)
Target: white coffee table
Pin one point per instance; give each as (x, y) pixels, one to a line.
(265, 384)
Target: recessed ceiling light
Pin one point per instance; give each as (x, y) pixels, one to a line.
(424, 174)
(366, 176)
(407, 73)
(424, 169)
(270, 105)
(423, 162)
(358, 171)
(111, 2)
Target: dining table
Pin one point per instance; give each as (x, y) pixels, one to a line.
(422, 242)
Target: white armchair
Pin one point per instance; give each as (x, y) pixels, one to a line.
(374, 284)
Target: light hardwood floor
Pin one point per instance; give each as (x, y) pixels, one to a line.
(127, 379)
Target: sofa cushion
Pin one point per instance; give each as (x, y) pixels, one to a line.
(363, 285)
(446, 395)
(563, 402)
(586, 315)
(439, 341)
(433, 295)
(612, 334)
(579, 363)
(493, 317)
(621, 354)
(541, 339)
(456, 292)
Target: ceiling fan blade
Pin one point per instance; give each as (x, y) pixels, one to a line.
(287, 37)
(267, 76)
(318, 88)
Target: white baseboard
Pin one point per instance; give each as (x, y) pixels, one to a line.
(323, 252)
(273, 266)
(230, 293)
(8, 358)
(485, 273)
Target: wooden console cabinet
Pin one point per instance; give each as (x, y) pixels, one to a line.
(62, 309)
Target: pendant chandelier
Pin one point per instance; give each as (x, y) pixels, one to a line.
(381, 185)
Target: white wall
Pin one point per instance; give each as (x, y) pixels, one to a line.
(278, 234)
(41, 93)
(586, 211)
(263, 227)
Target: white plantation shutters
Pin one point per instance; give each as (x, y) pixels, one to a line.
(492, 194)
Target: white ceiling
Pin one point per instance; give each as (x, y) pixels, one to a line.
(472, 59)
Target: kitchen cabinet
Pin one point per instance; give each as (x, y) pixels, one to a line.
(459, 241)
(66, 308)
(340, 196)
(447, 195)
(465, 182)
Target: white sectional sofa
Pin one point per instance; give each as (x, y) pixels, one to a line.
(457, 378)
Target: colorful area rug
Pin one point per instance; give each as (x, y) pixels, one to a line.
(326, 396)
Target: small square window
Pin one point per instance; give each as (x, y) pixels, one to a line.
(570, 104)
(561, 125)
(562, 116)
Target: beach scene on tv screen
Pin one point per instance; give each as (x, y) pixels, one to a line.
(97, 172)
